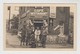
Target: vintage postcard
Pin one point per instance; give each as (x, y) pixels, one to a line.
(39, 26)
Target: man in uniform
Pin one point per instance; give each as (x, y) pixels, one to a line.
(23, 35)
(44, 36)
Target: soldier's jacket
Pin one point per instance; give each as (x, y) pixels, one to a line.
(23, 32)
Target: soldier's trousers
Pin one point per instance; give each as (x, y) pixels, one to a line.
(43, 40)
(28, 39)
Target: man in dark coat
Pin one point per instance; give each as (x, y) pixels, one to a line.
(29, 30)
(32, 40)
(44, 36)
(23, 35)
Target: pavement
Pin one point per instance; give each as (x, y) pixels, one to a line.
(12, 41)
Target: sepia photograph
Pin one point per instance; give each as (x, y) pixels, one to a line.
(39, 26)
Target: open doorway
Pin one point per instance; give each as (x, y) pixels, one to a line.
(38, 25)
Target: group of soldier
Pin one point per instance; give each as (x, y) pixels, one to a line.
(33, 37)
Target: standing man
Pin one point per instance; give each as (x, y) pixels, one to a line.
(23, 35)
(37, 34)
(44, 36)
(28, 35)
(32, 40)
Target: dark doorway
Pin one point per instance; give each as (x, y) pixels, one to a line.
(38, 25)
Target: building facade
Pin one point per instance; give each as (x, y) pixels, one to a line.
(37, 15)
